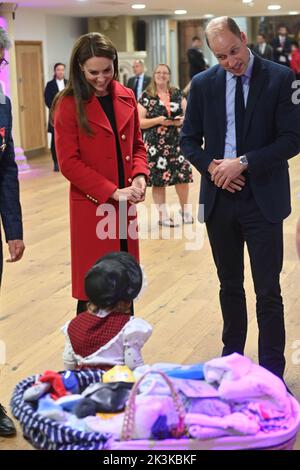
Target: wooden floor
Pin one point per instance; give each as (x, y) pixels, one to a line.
(181, 300)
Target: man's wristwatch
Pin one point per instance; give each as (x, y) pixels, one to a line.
(244, 160)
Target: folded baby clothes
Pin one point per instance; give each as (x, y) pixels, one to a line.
(49, 409)
(230, 367)
(36, 391)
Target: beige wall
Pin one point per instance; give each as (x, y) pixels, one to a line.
(118, 28)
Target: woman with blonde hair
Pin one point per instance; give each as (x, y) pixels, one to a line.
(161, 110)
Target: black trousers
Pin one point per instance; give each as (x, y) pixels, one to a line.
(1, 262)
(53, 149)
(236, 219)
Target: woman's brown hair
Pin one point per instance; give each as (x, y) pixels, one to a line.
(87, 46)
(151, 88)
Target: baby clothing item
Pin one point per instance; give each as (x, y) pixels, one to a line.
(70, 382)
(55, 380)
(48, 408)
(104, 340)
(235, 423)
(209, 406)
(118, 374)
(192, 372)
(69, 402)
(109, 397)
(230, 367)
(259, 385)
(36, 391)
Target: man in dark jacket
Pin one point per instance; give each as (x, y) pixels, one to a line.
(10, 209)
(53, 87)
(140, 80)
(263, 49)
(282, 46)
(196, 57)
(241, 126)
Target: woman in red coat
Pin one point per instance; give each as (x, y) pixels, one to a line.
(295, 59)
(101, 153)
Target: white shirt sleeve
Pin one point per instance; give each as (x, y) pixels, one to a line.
(69, 359)
(135, 334)
(70, 362)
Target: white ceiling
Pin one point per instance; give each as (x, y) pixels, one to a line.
(195, 8)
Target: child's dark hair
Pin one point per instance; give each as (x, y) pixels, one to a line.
(114, 278)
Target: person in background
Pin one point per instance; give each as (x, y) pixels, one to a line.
(101, 152)
(161, 109)
(197, 62)
(282, 47)
(295, 59)
(53, 87)
(10, 209)
(140, 80)
(263, 49)
(241, 127)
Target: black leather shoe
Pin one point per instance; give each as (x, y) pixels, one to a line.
(7, 427)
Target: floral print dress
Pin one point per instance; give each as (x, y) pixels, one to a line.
(166, 162)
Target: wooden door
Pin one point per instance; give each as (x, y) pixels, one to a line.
(29, 58)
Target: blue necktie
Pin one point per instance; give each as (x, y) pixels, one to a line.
(136, 86)
(239, 115)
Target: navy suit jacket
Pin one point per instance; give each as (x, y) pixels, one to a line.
(268, 53)
(271, 133)
(50, 92)
(10, 209)
(132, 80)
(287, 48)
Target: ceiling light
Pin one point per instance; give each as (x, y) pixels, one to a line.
(208, 15)
(274, 7)
(138, 6)
(180, 12)
(247, 1)
(293, 12)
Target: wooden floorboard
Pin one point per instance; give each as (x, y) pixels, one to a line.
(180, 301)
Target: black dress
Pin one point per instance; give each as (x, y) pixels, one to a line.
(108, 107)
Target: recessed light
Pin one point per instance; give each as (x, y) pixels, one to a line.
(274, 7)
(138, 6)
(208, 15)
(293, 12)
(180, 12)
(247, 1)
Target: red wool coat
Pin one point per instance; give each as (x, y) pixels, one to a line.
(90, 164)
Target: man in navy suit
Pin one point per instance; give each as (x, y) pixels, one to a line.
(263, 49)
(10, 210)
(53, 87)
(241, 127)
(282, 46)
(139, 82)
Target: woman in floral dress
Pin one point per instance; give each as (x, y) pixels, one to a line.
(161, 109)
